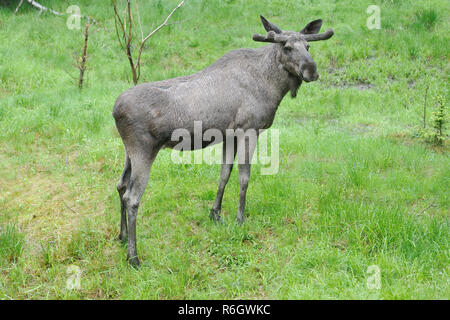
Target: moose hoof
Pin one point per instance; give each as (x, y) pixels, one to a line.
(240, 221)
(122, 238)
(214, 215)
(134, 262)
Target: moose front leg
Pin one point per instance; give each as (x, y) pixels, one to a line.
(244, 177)
(228, 155)
(246, 147)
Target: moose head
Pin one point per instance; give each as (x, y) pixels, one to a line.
(294, 55)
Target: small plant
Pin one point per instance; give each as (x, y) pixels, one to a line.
(438, 121)
(49, 253)
(11, 243)
(425, 19)
(435, 134)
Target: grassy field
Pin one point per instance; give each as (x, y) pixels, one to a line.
(357, 185)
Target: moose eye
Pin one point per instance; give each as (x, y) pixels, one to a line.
(307, 47)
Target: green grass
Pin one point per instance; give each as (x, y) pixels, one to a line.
(11, 244)
(425, 19)
(356, 187)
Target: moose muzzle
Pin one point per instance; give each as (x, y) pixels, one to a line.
(309, 73)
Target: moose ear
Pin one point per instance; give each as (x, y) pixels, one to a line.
(269, 26)
(312, 28)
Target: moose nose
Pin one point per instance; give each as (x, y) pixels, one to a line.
(310, 76)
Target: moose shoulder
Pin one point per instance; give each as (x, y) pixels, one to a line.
(240, 91)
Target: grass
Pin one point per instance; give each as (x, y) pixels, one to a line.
(11, 244)
(425, 19)
(355, 188)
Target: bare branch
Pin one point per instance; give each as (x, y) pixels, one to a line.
(164, 23)
(67, 206)
(125, 35)
(117, 21)
(139, 20)
(83, 57)
(138, 60)
(130, 37)
(17, 9)
(42, 8)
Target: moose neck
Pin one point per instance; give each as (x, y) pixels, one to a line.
(280, 80)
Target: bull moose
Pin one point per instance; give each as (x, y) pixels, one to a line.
(242, 90)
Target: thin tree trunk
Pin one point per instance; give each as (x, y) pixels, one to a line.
(83, 57)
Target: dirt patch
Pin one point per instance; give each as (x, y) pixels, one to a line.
(348, 85)
(409, 139)
(411, 84)
(43, 205)
(361, 128)
(338, 73)
(329, 118)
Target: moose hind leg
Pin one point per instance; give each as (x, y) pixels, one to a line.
(121, 188)
(141, 165)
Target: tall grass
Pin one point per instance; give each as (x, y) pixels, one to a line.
(425, 19)
(11, 243)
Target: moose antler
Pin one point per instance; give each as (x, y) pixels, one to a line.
(319, 36)
(271, 36)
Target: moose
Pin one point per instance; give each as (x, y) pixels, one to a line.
(242, 90)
